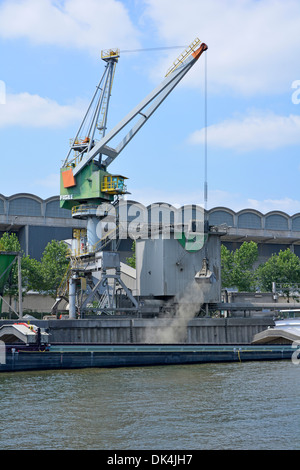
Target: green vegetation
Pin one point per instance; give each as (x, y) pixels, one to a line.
(54, 264)
(131, 261)
(237, 268)
(282, 268)
(9, 242)
(42, 276)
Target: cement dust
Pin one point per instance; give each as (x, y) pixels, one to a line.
(174, 330)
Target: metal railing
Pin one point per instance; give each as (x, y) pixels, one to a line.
(183, 56)
(113, 186)
(84, 208)
(110, 53)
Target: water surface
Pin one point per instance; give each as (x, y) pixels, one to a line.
(251, 405)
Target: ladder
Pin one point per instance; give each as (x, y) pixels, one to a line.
(180, 59)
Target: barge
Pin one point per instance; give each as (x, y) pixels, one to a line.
(25, 347)
(74, 356)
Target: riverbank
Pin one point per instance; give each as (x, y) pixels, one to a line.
(122, 329)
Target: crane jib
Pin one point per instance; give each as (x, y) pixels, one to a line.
(159, 93)
(85, 176)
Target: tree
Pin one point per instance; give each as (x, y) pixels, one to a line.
(227, 265)
(54, 264)
(131, 261)
(32, 276)
(43, 276)
(237, 267)
(30, 267)
(282, 268)
(10, 242)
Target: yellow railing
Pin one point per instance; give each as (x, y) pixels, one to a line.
(113, 187)
(62, 288)
(84, 208)
(100, 244)
(110, 53)
(191, 48)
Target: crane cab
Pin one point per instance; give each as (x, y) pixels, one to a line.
(114, 184)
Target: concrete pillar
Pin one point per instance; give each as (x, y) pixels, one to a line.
(72, 297)
(27, 240)
(92, 236)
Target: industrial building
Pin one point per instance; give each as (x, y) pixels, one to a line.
(179, 248)
(272, 232)
(37, 221)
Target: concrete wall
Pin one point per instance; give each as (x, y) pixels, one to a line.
(34, 302)
(126, 330)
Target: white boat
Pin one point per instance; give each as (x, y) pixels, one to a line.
(285, 331)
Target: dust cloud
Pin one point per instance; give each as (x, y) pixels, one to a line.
(174, 330)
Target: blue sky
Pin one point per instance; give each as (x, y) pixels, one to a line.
(50, 65)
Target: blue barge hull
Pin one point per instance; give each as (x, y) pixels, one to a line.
(83, 356)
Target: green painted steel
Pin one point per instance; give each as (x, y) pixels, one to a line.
(6, 259)
(88, 188)
(195, 241)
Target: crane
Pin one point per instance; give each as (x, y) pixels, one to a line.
(86, 182)
(94, 156)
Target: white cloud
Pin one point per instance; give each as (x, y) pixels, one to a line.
(90, 24)
(288, 205)
(252, 45)
(148, 196)
(237, 202)
(257, 130)
(28, 110)
(216, 198)
(50, 181)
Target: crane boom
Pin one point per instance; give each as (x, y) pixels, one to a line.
(158, 95)
(73, 171)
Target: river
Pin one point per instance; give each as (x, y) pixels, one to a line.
(238, 406)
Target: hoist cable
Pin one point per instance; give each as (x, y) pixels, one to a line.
(205, 133)
(153, 49)
(206, 223)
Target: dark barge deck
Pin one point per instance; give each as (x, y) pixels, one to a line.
(128, 355)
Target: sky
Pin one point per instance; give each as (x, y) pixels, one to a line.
(50, 54)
